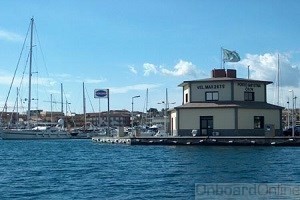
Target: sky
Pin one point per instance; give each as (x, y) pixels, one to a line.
(129, 46)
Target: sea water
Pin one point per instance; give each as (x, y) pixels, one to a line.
(83, 169)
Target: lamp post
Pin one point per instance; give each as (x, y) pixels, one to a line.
(293, 131)
(132, 112)
(288, 112)
(296, 110)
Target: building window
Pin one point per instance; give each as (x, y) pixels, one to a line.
(259, 122)
(186, 97)
(212, 96)
(249, 96)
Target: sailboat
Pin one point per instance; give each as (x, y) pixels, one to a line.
(31, 131)
(88, 130)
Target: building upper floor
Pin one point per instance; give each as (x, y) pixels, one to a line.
(224, 86)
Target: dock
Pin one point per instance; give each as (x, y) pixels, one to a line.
(203, 141)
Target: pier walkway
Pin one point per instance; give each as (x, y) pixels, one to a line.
(203, 140)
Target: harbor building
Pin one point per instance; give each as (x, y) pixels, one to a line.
(225, 105)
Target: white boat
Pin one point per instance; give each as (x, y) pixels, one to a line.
(32, 131)
(149, 131)
(41, 131)
(87, 132)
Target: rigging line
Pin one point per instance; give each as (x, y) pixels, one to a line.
(21, 82)
(40, 47)
(67, 103)
(11, 84)
(36, 59)
(89, 100)
(13, 111)
(68, 107)
(37, 79)
(43, 57)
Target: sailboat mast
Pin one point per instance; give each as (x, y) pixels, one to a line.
(146, 100)
(167, 99)
(51, 108)
(18, 105)
(146, 118)
(30, 69)
(278, 80)
(84, 109)
(62, 98)
(166, 108)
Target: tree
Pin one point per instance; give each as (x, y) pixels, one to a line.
(152, 112)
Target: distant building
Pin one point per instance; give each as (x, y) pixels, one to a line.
(117, 118)
(225, 105)
(11, 117)
(48, 116)
(287, 117)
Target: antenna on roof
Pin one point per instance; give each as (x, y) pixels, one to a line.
(248, 72)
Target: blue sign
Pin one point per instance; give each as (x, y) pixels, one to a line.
(101, 93)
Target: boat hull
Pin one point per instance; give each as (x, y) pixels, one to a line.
(20, 134)
(78, 134)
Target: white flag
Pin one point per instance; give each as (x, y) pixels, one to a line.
(230, 56)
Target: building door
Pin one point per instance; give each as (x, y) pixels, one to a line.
(206, 125)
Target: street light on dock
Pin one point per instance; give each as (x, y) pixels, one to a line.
(288, 113)
(132, 112)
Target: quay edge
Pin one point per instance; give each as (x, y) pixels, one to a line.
(202, 141)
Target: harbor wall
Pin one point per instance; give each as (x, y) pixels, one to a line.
(203, 141)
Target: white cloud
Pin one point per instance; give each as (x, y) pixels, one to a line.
(132, 69)
(182, 68)
(284, 95)
(138, 87)
(149, 68)
(265, 67)
(6, 79)
(64, 77)
(5, 35)
(94, 81)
